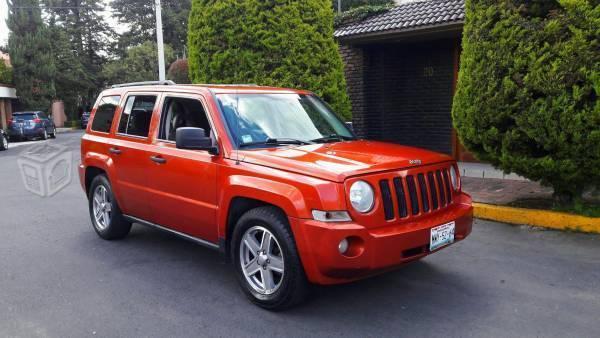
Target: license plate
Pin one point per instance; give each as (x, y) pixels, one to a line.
(442, 235)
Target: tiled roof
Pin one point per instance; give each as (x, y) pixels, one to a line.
(408, 16)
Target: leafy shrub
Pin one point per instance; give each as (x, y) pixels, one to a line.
(351, 4)
(6, 76)
(275, 43)
(178, 72)
(359, 14)
(527, 96)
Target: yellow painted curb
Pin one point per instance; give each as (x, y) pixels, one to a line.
(540, 218)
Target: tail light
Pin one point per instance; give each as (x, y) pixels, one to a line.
(10, 122)
(37, 120)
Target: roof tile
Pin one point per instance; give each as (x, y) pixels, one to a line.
(410, 15)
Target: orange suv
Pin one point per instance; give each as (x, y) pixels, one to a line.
(270, 177)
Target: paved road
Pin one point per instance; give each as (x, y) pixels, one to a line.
(58, 279)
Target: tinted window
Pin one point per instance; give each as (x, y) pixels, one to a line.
(42, 116)
(23, 116)
(105, 114)
(181, 112)
(135, 119)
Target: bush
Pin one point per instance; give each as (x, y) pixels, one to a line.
(178, 72)
(359, 14)
(6, 76)
(274, 43)
(527, 93)
(351, 4)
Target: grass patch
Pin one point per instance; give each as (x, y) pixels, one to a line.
(580, 207)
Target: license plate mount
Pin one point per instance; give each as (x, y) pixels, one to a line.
(442, 235)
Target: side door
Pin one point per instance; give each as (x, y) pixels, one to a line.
(130, 151)
(184, 182)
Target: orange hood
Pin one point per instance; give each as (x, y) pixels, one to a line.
(338, 161)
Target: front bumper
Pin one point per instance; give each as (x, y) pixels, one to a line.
(378, 249)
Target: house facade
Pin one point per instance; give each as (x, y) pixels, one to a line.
(401, 68)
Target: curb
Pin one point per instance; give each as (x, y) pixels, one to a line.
(541, 218)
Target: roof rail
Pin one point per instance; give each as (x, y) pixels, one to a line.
(145, 83)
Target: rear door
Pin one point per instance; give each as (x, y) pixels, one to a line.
(130, 153)
(183, 182)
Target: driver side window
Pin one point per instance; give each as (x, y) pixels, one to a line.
(180, 112)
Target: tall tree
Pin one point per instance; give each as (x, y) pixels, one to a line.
(281, 43)
(30, 51)
(81, 40)
(138, 65)
(139, 16)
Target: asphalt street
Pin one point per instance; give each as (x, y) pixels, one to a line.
(58, 279)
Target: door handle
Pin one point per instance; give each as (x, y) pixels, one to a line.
(158, 159)
(115, 151)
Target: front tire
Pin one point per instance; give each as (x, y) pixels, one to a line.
(53, 135)
(107, 219)
(266, 261)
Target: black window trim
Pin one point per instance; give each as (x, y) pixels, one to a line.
(122, 106)
(114, 114)
(190, 96)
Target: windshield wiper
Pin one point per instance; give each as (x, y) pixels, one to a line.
(276, 141)
(332, 137)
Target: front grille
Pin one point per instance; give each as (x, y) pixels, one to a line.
(418, 192)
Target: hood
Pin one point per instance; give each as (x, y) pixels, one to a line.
(338, 161)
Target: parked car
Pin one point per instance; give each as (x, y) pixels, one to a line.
(272, 179)
(85, 117)
(30, 125)
(3, 140)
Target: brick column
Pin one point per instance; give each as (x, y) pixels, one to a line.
(353, 57)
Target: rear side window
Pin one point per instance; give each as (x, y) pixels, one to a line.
(135, 118)
(105, 114)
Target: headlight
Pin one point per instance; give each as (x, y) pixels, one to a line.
(454, 178)
(361, 196)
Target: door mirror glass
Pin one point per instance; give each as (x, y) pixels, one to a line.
(194, 139)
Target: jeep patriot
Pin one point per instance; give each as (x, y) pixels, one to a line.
(272, 178)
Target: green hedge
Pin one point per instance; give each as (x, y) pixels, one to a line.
(6, 76)
(272, 42)
(527, 95)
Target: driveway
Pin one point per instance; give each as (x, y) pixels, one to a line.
(58, 279)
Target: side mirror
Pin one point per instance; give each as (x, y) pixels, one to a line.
(194, 139)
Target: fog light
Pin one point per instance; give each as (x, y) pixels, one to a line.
(343, 246)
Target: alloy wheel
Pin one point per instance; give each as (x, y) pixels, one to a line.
(261, 260)
(4, 142)
(102, 207)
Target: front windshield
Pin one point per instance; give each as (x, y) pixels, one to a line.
(261, 120)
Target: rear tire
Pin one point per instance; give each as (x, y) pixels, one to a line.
(45, 135)
(275, 260)
(106, 216)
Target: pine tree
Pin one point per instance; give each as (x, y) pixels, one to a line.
(81, 40)
(31, 57)
(268, 42)
(140, 16)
